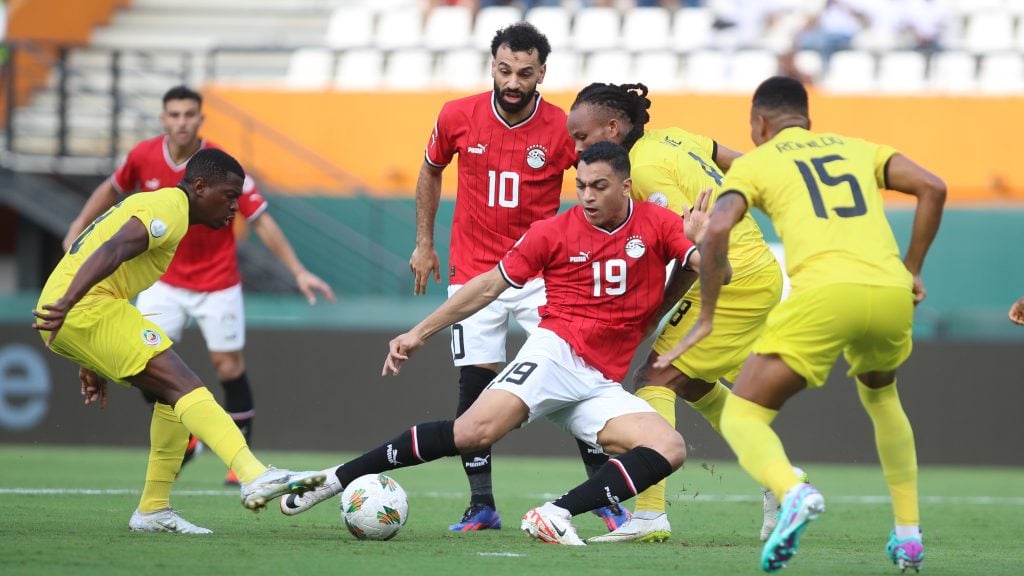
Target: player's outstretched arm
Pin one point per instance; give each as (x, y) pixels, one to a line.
(903, 175)
(715, 271)
(476, 294)
(274, 239)
(101, 199)
(130, 241)
(424, 262)
(1017, 311)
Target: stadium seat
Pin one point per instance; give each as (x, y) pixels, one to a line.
(447, 28)
(748, 68)
(646, 29)
(399, 28)
(411, 69)
(489, 20)
(1001, 73)
(349, 27)
(596, 28)
(554, 22)
(563, 71)
(850, 71)
(706, 71)
(953, 72)
(988, 31)
(463, 70)
(659, 71)
(612, 66)
(310, 69)
(692, 29)
(359, 69)
(902, 72)
(809, 62)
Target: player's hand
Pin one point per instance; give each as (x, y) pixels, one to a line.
(94, 387)
(423, 262)
(919, 290)
(699, 331)
(51, 318)
(309, 284)
(1017, 312)
(695, 220)
(399, 350)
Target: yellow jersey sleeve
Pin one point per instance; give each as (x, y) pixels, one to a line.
(823, 195)
(670, 167)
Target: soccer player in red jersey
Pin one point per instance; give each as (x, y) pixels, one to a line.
(202, 281)
(513, 152)
(604, 266)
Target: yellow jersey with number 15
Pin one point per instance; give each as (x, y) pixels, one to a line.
(670, 167)
(165, 215)
(822, 193)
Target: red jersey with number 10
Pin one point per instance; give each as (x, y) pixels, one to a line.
(509, 176)
(603, 287)
(206, 260)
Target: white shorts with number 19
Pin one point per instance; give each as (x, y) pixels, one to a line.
(480, 339)
(555, 383)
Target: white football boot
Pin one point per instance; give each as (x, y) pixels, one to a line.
(274, 483)
(164, 520)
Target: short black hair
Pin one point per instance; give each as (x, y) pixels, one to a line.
(522, 37)
(607, 151)
(182, 93)
(213, 165)
(783, 94)
(629, 101)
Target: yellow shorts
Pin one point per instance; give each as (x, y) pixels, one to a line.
(871, 325)
(110, 337)
(740, 316)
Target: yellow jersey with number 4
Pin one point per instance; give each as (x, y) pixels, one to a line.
(165, 215)
(822, 193)
(670, 167)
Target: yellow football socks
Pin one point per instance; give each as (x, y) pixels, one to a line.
(894, 439)
(746, 426)
(663, 400)
(168, 438)
(206, 420)
(711, 405)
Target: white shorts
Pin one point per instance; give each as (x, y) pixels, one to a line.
(554, 382)
(220, 315)
(480, 339)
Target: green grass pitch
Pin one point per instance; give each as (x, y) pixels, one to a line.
(65, 510)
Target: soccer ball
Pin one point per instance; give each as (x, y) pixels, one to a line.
(374, 507)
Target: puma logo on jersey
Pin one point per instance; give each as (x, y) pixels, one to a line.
(583, 257)
(478, 149)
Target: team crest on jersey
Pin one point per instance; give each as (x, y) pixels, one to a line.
(157, 228)
(635, 247)
(658, 198)
(152, 184)
(536, 156)
(151, 337)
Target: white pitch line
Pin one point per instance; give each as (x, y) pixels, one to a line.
(699, 499)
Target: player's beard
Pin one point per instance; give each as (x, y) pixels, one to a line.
(514, 107)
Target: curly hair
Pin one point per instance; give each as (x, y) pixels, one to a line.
(627, 101)
(522, 37)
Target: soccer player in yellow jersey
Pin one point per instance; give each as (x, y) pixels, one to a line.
(851, 294)
(671, 167)
(84, 314)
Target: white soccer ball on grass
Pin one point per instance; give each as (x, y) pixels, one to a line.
(374, 507)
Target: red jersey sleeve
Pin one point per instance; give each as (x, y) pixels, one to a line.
(126, 178)
(251, 204)
(528, 256)
(441, 147)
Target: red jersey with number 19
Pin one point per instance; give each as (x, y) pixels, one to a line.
(509, 176)
(603, 287)
(206, 260)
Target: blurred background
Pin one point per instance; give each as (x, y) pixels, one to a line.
(329, 104)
